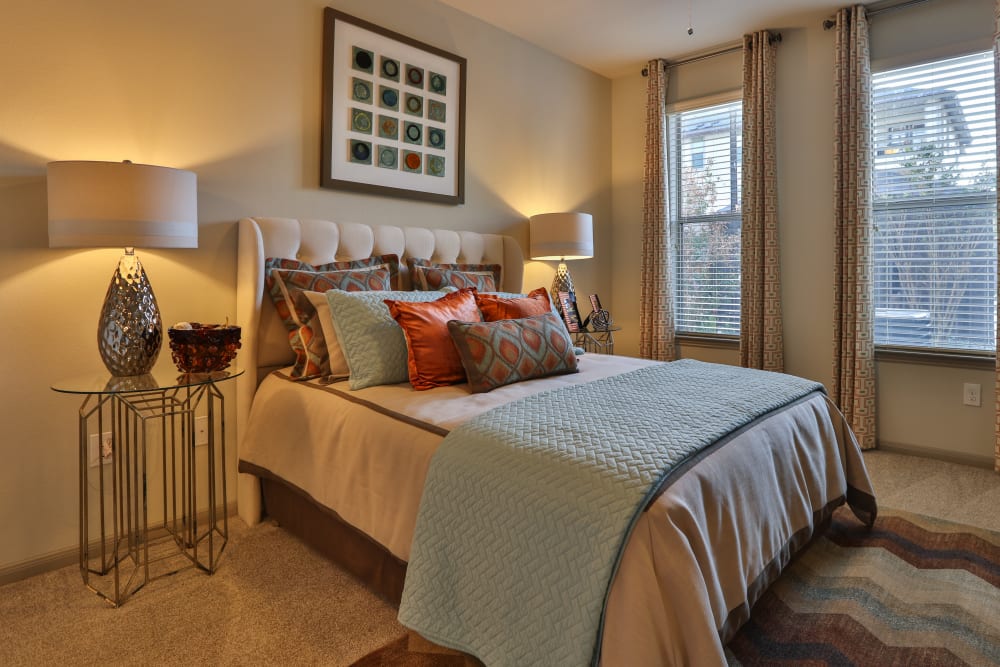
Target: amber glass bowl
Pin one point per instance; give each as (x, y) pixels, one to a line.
(204, 347)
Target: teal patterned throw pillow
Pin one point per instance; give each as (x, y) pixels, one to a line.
(373, 344)
(507, 351)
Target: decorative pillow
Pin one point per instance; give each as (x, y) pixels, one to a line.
(507, 351)
(498, 307)
(287, 280)
(390, 261)
(432, 360)
(338, 369)
(426, 275)
(373, 344)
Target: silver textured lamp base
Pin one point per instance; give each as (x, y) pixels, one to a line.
(562, 282)
(129, 333)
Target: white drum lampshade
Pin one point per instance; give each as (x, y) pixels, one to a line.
(107, 204)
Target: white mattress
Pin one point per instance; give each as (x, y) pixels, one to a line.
(722, 529)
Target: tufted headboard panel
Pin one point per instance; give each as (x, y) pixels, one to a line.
(265, 341)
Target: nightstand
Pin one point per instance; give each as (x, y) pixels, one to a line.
(152, 456)
(600, 341)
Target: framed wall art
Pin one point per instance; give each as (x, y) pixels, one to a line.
(393, 113)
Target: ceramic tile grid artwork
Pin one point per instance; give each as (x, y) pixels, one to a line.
(396, 108)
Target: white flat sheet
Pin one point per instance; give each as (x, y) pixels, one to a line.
(715, 533)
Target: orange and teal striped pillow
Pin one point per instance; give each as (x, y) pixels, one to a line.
(288, 280)
(428, 276)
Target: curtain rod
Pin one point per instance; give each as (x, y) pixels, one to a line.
(775, 37)
(872, 13)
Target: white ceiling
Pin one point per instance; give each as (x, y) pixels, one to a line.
(614, 37)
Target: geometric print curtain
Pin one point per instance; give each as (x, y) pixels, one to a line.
(761, 342)
(996, 77)
(854, 348)
(656, 310)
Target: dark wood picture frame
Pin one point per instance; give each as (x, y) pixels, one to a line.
(413, 148)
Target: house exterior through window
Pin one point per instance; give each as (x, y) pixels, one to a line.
(934, 201)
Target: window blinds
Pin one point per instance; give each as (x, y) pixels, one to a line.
(934, 179)
(705, 170)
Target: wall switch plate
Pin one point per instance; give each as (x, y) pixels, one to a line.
(99, 449)
(972, 394)
(201, 431)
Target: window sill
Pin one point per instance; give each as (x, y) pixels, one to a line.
(907, 355)
(708, 340)
(896, 355)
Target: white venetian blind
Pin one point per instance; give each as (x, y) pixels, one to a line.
(705, 169)
(934, 177)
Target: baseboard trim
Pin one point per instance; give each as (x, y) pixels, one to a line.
(63, 557)
(949, 456)
(46, 563)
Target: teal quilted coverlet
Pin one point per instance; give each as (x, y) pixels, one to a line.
(527, 508)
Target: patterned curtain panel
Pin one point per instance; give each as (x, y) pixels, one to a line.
(854, 348)
(761, 342)
(656, 308)
(996, 76)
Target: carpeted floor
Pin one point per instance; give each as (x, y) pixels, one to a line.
(274, 601)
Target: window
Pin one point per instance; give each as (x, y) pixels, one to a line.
(934, 144)
(704, 168)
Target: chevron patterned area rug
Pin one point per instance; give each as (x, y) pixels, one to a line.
(912, 591)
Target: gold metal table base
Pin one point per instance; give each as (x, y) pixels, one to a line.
(146, 521)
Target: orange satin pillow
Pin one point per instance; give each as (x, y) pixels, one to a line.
(432, 360)
(495, 307)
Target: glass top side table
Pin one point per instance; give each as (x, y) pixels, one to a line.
(598, 341)
(152, 454)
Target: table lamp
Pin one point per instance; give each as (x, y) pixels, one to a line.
(106, 204)
(561, 236)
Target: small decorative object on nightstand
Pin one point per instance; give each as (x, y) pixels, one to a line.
(203, 348)
(571, 316)
(152, 500)
(599, 319)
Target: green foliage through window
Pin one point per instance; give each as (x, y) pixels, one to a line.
(705, 170)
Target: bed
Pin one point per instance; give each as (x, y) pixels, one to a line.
(345, 470)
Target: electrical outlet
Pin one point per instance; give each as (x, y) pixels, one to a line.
(99, 449)
(972, 394)
(201, 430)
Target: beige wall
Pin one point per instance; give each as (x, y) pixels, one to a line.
(231, 90)
(920, 407)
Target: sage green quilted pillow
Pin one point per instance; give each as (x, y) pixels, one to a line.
(373, 344)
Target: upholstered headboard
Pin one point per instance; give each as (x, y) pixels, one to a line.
(265, 341)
